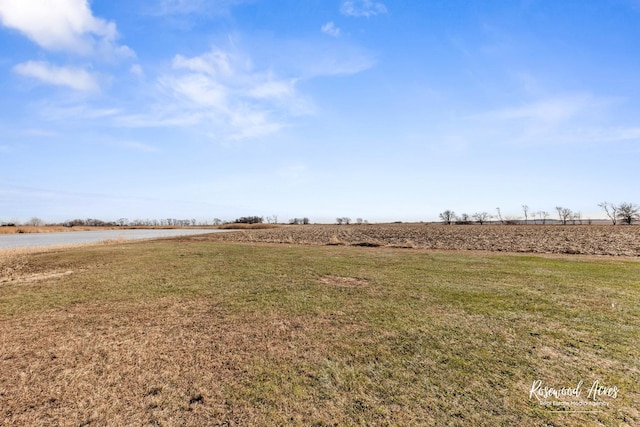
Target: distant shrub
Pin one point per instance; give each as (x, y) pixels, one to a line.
(249, 220)
(463, 219)
(245, 226)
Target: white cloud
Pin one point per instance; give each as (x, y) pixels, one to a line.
(336, 62)
(191, 7)
(591, 134)
(39, 132)
(224, 95)
(75, 78)
(559, 120)
(198, 89)
(222, 91)
(179, 6)
(136, 70)
(186, 7)
(273, 90)
(621, 134)
(72, 111)
(330, 29)
(305, 59)
(364, 8)
(214, 63)
(139, 146)
(248, 122)
(62, 25)
(549, 110)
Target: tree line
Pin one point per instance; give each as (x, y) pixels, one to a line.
(625, 213)
(166, 222)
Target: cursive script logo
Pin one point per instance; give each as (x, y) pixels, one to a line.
(542, 393)
(598, 390)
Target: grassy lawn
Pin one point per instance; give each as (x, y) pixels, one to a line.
(201, 333)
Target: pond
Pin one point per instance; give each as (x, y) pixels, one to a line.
(30, 240)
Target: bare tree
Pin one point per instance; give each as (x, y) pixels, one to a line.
(302, 221)
(525, 209)
(339, 221)
(273, 219)
(481, 217)
(564, 214)
(628, 212)
(611, 210)
(543, 216)
(447, 216)
(577, 216)
(464, 219)
(35, 222)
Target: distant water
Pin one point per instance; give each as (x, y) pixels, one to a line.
(30, 240)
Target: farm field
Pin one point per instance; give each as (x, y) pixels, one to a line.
(199, 331)
(557, 239)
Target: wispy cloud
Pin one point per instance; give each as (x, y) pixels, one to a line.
(599, 134)
(214, 63)
(63, 25)
(165, 7)
(359, 8)
(330, 29)
(76, 112)
(39, 132)
(334, 63)
(278, 89)
(138, 146)
(136, 70)
(564, 119)
(187, 7)
(74, 78)
(224, 94)
(198, 89)
(548, 110)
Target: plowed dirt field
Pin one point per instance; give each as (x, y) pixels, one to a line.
(616, 240)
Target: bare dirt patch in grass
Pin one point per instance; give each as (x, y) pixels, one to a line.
(347, 282)
(36, 277)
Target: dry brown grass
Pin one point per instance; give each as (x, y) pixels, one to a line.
(40, 229)
(556, 239)
(59, 228)
(192, 332)
(243, 226)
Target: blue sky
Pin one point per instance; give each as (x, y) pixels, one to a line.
(380, 109)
